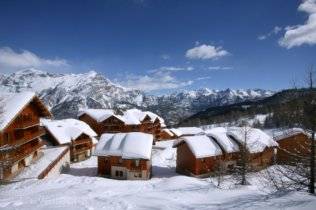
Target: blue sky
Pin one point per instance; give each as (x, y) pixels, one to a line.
(163, 45)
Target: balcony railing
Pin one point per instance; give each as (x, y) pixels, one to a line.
(80, 150)
(81, 141)
(26, 122)
(26, 136)
(21, 152)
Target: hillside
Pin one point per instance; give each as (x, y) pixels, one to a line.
(246, 109)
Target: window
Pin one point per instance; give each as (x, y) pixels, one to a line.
(136, 163)
(119, 173)
(137, 175)
(120, 160)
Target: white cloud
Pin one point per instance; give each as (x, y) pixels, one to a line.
(302, 34)
(206, 52)
(274, 31)
(156, 81)
(203, 78)
(171, 69)
(11, 60)
(165, 56)
(214, 68)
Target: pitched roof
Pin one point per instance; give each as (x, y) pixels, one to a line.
(220, 135)
(176, 132)
(133, 145)
(12, 104)
(190, 131)
(129, 117)
(98, 115)
(64, 131)
(285, 133)
(168, 131)
(201, 146)
(256, 140)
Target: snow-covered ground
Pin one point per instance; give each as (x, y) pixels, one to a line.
(80, 189)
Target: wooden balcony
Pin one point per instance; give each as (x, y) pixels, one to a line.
(76, 151)
(21, 152)
(81, 141)
(27, 123)
(25, 136)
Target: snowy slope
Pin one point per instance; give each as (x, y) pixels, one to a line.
(65, 94)
(80, 189)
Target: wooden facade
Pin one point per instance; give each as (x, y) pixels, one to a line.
(80, 148)
(188, 164)
(116, 125)
(293, 147)
(21, 138)
(118, 168)
(257, 160)
(165, 135)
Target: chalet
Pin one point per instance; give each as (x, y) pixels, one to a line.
(95, 119)
(197, 155)
(293, 144)
(261, 147)
(71, 132)
(187, 131)
(132, 120)
(176, 133)
(166, 134)
(125, 155)
(20, 132)
(228, 146)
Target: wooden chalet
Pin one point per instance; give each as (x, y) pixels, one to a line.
(197, 155)
(221, 149)
(260, 146)
(125, 155)
(75, 133)
(229, 147)
(165, 134)
(187, 131)
(293, 145)
(20, 132)
(132, 120)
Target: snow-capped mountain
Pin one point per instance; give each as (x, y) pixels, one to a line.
(65, 94)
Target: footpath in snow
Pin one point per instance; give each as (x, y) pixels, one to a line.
(81, 189)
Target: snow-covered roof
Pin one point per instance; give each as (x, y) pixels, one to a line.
(220, 135)
(12, 104)
(168, 131)
(66, 130)
(187, 131)
(136, 116)
(129, 117)
(176, 132)
(285, 133)
(133, 145)
(201, 146)
(98, 114)
(256, 140)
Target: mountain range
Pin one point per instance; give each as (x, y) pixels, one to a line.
(66, 94)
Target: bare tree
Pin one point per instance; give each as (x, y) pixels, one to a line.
(299, 170)
(243, 166)
(309, 123)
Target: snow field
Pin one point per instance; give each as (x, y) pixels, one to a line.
(80, 189)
